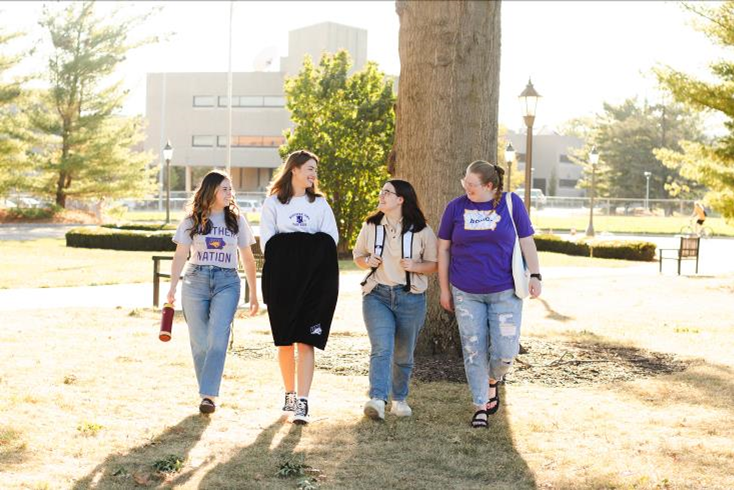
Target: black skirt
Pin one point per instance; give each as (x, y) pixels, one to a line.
(300, 284)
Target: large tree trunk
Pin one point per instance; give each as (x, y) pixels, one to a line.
(446, 116)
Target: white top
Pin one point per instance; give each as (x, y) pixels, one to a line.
(298, 215)
(219, 247)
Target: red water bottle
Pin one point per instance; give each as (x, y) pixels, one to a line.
(166, 322)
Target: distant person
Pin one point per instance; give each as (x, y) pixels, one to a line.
(300, 279)
(475, 244)
(699, 212)
(399, 248)
(213, 232)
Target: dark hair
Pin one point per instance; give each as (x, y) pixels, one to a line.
(201, 205)
(489, 173)
(413, 218)
(282, 184)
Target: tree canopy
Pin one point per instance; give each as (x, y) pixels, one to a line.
(349, 122)
(710, 164)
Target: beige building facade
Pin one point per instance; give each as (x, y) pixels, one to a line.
(191, 110)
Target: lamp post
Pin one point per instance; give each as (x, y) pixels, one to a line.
(593, 159)
(647, 190)
(509, 158)
(529, 103)
(167, 155)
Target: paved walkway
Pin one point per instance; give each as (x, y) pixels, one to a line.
(141, 295)
(34, 231)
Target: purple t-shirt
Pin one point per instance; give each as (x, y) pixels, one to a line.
(482, 239)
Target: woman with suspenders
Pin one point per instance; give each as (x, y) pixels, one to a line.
(399, 248)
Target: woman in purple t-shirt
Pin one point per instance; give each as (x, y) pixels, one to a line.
(476, 239)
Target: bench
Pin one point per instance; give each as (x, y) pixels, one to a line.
(688, 249)
(157, 274)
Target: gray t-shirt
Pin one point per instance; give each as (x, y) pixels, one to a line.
(219, 247)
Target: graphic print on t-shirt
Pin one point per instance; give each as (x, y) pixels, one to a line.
(477, 219)
(299, 219)
(214, 243)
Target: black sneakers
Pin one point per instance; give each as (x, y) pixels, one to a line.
(300, 417)
(290, 402)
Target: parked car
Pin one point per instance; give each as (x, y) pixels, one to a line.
(537, 198)
(249, 206)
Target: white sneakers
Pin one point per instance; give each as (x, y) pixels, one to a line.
(375, 409)
(401, 409)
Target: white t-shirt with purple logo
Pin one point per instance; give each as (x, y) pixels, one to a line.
(482, 240)
(219, 246)
(299, 215)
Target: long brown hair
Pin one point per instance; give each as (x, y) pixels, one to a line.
(201, 205)
(282, 184)
(489, 173)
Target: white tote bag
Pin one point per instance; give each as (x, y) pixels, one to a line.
(520, 272)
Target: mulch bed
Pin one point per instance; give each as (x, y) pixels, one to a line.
(550, 363)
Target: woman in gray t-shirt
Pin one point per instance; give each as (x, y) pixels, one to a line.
(212, 234)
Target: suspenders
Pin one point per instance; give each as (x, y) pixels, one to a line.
(405, 253)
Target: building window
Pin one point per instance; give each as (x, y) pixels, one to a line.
(567, 182)
(202, 141)
(520, 157)
(204, 100)
(240, 141)
(274, 101)
(564, 159)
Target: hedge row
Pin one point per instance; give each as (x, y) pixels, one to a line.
(143, 226)
(117, 239)
(157, 240)
(626, 250)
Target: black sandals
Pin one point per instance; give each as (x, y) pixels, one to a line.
(477, 421)
(495, 399)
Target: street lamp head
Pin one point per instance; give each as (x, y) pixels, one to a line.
(168, 151)
(529, 100)
(647, 175)
(593, 156)
(509, 154)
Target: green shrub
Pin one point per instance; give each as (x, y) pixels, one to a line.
(116, 239)
(626, 250)
(32, 213)
(143, 226)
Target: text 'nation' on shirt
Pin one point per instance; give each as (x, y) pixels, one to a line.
(219, 246)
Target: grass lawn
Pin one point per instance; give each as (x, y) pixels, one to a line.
(50, 263)
(96, 401)
(626, 224)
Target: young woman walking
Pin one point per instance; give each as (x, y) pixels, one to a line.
(212, 233)
(298, 235)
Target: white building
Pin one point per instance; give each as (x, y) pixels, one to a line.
(190, 109)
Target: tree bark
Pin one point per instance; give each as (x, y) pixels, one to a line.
(446, 116)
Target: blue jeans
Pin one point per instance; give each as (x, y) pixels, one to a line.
(489, 325)
(209, 300)
(393, 319)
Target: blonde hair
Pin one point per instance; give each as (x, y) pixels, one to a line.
(489, 173)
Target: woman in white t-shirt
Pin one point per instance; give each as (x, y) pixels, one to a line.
(212, 233)
(295, 205)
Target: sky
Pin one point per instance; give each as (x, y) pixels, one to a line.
(579, 54)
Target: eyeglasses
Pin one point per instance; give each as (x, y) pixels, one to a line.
(470, 185)
(385, 192)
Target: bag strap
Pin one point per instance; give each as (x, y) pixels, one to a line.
(379, 247)
(508, 199)
(407, 253)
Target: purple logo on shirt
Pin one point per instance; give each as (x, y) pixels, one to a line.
(214, 243)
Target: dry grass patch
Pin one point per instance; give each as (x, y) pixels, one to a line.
(134, 398)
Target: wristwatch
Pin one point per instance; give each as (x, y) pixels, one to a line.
(537, 276)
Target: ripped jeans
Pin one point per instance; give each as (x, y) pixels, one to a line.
(489, 325)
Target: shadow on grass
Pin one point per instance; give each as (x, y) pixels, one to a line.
(434, 449)
(256, 465)
(553, 314)
(124, 470)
